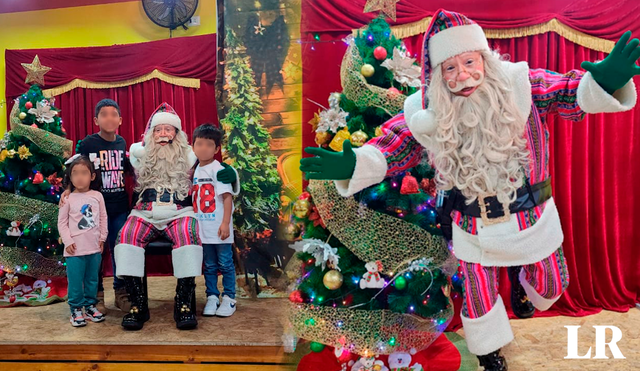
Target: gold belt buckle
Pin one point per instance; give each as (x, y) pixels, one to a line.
(162, 203)
(484, 213)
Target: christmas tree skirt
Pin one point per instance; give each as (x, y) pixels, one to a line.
(448, 353)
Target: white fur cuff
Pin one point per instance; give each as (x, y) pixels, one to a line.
(129, 260)
(187, 261)
(412, 104)
(537, 300)
(592, 98)
(490, 332)
(423, 125)
(456, 40)
(371, 168)
(136, 152)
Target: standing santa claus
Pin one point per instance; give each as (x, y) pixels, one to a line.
(483, 121)
(163, 162)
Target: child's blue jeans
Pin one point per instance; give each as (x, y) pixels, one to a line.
(219, 258)
(82, 277)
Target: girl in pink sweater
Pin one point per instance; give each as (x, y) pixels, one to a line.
(82, 224)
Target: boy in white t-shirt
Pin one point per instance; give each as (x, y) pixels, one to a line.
(213, 206)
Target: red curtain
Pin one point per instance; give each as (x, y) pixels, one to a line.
(137, 102)
(601, 18)
(190, 57)
(592, 165)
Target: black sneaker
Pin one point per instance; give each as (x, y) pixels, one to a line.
(93, 314)
(77, 319)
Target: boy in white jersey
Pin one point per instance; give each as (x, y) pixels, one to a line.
(213, 206)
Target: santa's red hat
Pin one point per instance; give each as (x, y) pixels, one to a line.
(448, 35)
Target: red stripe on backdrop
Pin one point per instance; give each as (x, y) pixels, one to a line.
(601, 18)
(591, 164)
(14, 6)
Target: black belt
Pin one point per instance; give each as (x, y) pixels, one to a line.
(151, 195)
(491, 210)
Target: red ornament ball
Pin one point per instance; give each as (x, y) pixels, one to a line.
(34, 126)
(394, 90)
(380, 53)
(28, 105)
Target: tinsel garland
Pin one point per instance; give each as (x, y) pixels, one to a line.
(356, 88)
(366, 332)
(22, 209)
(30, 263)
(46, 141)
(372, 235)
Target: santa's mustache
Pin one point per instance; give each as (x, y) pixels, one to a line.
(164, 140)
(474, 80)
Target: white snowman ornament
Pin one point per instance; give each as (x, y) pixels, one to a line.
(372, 279)
(369, 364)
(401, 361)
(14, 230)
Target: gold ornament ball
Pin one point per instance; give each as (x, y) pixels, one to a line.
(359, 138)
(301, 208)
(291, 231)
(22, 115)
(332, 279)
(323, 137)
(367, 70)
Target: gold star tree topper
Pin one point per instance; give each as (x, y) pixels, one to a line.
(387, 7)
(35, 71)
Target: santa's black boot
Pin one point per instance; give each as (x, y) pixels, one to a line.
(493, 362)
(184, 311)
(139, 312)
(520, 303)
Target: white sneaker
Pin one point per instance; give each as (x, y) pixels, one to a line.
(227, 307)
(211, 307)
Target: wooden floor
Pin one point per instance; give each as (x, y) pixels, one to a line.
(248, 340)
(41, 338)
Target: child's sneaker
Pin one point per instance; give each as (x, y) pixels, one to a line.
(227, 307)
(93, 314)
(77, 319)
(211, 307)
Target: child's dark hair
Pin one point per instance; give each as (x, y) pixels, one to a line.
(95, 185)
(107, 103)
(208, 131)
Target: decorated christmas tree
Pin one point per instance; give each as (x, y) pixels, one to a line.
(32, 168)
(373, 274)
(247, 145)
(247, 149)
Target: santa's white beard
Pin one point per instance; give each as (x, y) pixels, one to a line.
(165, 167)
(479, 143)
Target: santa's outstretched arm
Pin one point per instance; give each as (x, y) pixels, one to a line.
(356, 169)
(606, 86)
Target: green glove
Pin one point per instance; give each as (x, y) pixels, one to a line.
(329, 165)
(227, 175)
(618, 67)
